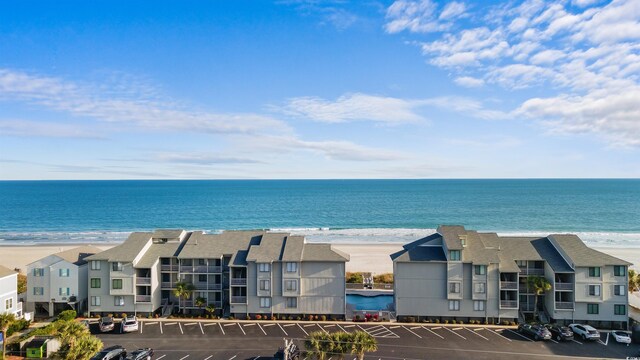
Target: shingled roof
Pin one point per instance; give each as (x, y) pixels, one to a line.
(5, 271)
(77, 256)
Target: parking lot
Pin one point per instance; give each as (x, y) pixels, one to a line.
(230, 340)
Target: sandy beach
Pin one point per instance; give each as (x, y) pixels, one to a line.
(364, 257)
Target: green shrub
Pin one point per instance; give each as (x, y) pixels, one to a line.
(354, 278)
(323, 317)
(16, 326)
(453, 321)
(67, 315)
(446, 321)
(123, 315)
(437, 321)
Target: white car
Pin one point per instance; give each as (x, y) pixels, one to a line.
(621, 337)
(129, 324)
(586, 332)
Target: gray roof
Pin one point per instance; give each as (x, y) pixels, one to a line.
(157, 251)
(451, 235)
(5, 271)
(167, 233)
(77, 256)
(545, 248)
(582, 255)
(125, 252)
(420, 253)
(294, 246)
(480, 252)
(323, 252)
(270, 248)
(212, 246)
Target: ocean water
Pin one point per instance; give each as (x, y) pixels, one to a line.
(602, 212)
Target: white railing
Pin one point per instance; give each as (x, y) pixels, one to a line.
(143, 281)
(564, 286)
(509, 304)
(238, 281)
(508, 285)
(169, 267)
(531, 271)
(143, 298)
(564, 305)
(239, 299)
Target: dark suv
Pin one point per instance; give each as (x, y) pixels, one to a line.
(560, 333)
(141, 354)
(111, 353)
(538, 332)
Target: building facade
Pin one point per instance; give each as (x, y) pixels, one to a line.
(459, 274)
(59, 282)
(240, 273)
(9, 292)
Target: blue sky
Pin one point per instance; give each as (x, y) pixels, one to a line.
(319, 89)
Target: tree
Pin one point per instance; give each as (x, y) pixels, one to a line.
(361, 343)
(84, 349)
(539, 285)
(200, 302)
(69, 331)
(211, 309)
(183, 290)
(22, 283)
(341, 344)
(354, 278)
(67, 315)
(6, 320)
(634, 281)
(319, 344)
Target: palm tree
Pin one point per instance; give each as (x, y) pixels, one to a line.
(69, 331)
(211, 309)
(5, 321)
(319, 344)
(85, 348)
(183, 290)
(539, 285)
(362, 342)
(634, 281)
(341, 344)
(200, 302)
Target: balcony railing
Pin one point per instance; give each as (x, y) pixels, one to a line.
(214, 269)
(508, 285)
(564, 286)
(186, 303)
(169, 267)
(215, 286)
(531, 271)
(509, 304)
(143, 298)
(564, 305)
(167, 284)
(143, 281)
(238, 281)
(523, 289)
(239, 299)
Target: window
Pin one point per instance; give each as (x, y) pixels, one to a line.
(454, 255)
(38, 272)
(619, 270)
(454, 305)
(38, 291)
(291, 285)
(265, 285)
(95, 283)
(292, 303)
(480, 269)
(619, 290)
(479, 288)
(8, 304)
(264, 267)
(478, 305)
(593, 309)
(594, 272)
(116, 266)
(95, 265)
(116, 284)
(118, 300)
(454, 287)
(202, 278)
(463, 240)
(292, 267)
(201, 262)
(63, 291)
(265, 302)
(63, 272)
(619, 309)
(521, 263)
(594, 290)
(95, 301)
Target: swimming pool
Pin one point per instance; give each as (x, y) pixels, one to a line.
(378, 302)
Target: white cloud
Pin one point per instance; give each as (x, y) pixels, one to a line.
(467, 106)
(421, 16)
(354, 107)
(547, 57)
(202, 159)
(468, 81)
(30, 128)
(452, 10)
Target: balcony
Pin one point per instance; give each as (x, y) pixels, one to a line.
(143, 281)
(215, 286)
(168, 267)
(238, 299)
(167, 285)
(508, 285)
(564, 286)
(508, 304)
(214, 269)
(200, 286)
(564, 305)
(186, 268)
(143, 298)
(531, 271)
(238, 281)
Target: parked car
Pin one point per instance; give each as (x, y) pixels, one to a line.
(129, 324)
(141, 354)
(538, 332)
(106, 324)
(111, 353)
(560, 333)
(621, 337)
(586, 332)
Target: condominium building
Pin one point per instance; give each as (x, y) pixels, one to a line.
(59, 282)
(9, 292)
(460, 274)
(239, 272)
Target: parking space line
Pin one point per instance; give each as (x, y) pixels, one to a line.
(553, 341)
(221, 329)
(415, 327)
(267, 325)
(233, 357)
(211, 324)
(433, 332)
(411, 331)
(436, 328)
(394, 327)
(161, 327)
(160, 357)
(342, 329)
(241, 328)
(190, 324)
(208, 357)
(182, 332)
(264, 332)
(349, 326)
(517, 333)
(141, 326)
(281, 328)
(287, 325)
(303, 330)
(307, 325)
(230, 324)
(606, 342)
(498, 333)
(453, 332)
(576, 341)
(331, 325)
(321, 328)
(474, 332)
(458, 328)
(149, 322)
(201, 328)
(249, 325)
(170, 323)
(182, 358)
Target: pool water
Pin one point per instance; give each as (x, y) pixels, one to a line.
(379, 302)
